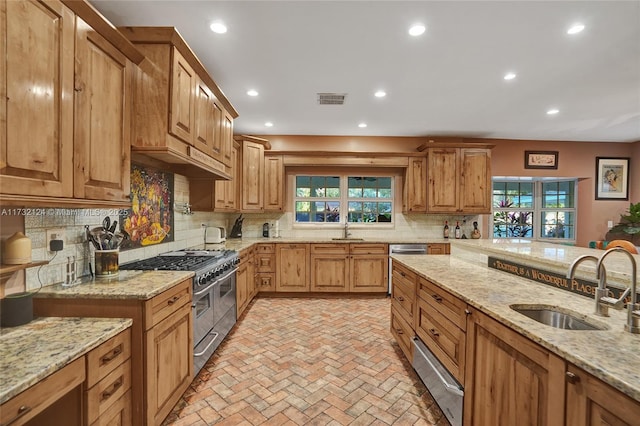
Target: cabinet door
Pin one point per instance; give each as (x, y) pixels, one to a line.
(415, 186)
(182, 105)
(203, 118)
(226, 191)
(369, 273)
(36, 88)
(592, 402)
(242, 286)
(329, 273)
(217, 124)
(292, 267)
(443, 171)
(226, 137)
(252, 176)
(102, 118)
(510, 380)
(169, 363)
(438, 248)
(475, 180)
(273, 183)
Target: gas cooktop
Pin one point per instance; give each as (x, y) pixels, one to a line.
(182, 260)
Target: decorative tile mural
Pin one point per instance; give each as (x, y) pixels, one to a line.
(149, 221)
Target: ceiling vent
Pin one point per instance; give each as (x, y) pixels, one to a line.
(331, 98)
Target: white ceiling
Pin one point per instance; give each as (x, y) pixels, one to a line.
(447, 82)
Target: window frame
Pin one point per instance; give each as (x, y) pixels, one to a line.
(537, 208)
(344, 200)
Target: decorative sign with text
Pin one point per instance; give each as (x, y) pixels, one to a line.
(578, 286)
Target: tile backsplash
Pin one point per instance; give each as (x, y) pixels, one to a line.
(189, 232)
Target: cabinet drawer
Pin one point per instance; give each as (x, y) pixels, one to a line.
(266, 248)
(38, 397)
(166, 303)
(342, 249)
(266, 281)
(103, 359)
(403, 301)
(108, 391)
(245, 255)
(400, 274)
(118, 414)
(265, 262)
(442, 337)
(444, 302)
(369, 249)
(402, 332)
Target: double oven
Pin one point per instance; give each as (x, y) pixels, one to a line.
(214, 293)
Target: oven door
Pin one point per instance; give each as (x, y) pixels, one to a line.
(203, 309)
(225, 294)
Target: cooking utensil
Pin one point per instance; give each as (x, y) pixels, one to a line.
(112, 228)
(106, 223)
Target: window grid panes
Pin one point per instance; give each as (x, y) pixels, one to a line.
(368, 199)
(534, 209)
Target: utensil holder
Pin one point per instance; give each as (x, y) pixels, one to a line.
(107, 263)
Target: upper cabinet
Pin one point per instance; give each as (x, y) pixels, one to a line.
(273, 182)
(182, 120)
(415, 186)
(459, 180)
(66, 89)
(251, 176)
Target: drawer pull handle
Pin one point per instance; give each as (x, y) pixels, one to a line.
(24, 409)
(402, 274)
(400, 299)
(399, 331)
(173, 300)
(572, 378)
(107, 393)
(437, 298)
(434, 332)
(111, 355)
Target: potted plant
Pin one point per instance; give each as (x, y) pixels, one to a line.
(629, 226)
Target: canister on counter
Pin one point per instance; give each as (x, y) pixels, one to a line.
(107, 263)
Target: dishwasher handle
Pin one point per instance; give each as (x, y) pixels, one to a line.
(409, 251)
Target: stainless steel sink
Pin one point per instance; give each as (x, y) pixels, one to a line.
(347, 239)
(557, 317)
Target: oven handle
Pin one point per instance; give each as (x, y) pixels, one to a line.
(215, 335)
(205, 290)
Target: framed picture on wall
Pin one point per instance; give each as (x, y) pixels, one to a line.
(541, 159)
(612, 178)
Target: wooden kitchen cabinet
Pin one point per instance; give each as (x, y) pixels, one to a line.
(265, 262)
(368, 268)
(459, 180)
(216, 194)
(251, 176)
(292, 268)
(403, 307)
(161, 344)
(510, 379)
(273, 183)
(441, 324)
(182, 119)
(590, 401)
(245, 280)
(438, 248)
(415, 186)
(68, 92)
(329, 267)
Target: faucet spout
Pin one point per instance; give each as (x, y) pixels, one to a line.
(602, 308)
(633, 314)
(346, 230)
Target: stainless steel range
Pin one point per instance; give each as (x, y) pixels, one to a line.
(214, 293)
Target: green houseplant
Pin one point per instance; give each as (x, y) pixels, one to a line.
(629, 226)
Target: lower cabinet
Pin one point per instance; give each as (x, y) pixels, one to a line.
(161, 347)
(593, 402)
(509, 379)
(292, 267)
(329, 267)
(265, 263)
(94, 389)
(245, 280)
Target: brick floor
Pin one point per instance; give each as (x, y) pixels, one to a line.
(309, 362)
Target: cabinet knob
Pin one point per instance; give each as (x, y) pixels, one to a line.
(434, 332)
(437, 298)
(572, 378)
(399, 331)
(24, 409)
(400, 299)
(173, 300)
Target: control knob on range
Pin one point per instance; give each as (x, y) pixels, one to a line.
(202, 279)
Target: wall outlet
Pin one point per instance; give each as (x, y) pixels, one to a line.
(54, 234)
(610, 224)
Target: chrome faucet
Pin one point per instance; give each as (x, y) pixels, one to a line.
(633, 308)
(346, 230)
(602, 304)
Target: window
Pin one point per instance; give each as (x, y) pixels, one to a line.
(322, 199)
(534, 209)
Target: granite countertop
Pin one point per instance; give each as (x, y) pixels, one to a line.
(33, 351)
(243, 243)
(141, 285)
(612, 355)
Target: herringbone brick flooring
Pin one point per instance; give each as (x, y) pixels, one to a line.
(309, 362)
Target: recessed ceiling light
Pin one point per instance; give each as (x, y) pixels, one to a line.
(218, 28)
(417, 30)
(575, 29)
(553, 111)
(268, 124)
(380, 94)
(362, 125)
(510, 76)
(252, 92)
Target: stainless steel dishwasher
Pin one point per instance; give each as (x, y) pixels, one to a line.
(414, 248)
